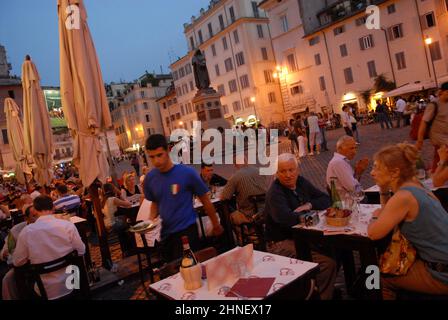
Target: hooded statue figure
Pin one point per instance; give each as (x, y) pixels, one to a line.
(200, 71)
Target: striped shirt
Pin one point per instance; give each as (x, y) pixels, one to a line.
(246, 182)
(68, 202)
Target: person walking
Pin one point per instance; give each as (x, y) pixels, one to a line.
(346, 122)
(382, 115)
(400, 107)
(313, 124)
(323, 130)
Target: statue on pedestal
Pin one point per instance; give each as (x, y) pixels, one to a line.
(200, 71)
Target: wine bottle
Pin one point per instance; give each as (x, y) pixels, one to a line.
(188, 258)
(335, 198)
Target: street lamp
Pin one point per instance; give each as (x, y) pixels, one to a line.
(279, 74)
(252, 100)
(428, 41)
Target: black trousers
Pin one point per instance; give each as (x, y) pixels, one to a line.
(171, 247)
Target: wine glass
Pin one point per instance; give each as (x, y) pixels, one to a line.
(358, 195)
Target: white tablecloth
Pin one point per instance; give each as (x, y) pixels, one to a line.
(356, 226)
(283, 269)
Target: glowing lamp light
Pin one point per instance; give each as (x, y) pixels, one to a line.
(428, 41)
(252, 99)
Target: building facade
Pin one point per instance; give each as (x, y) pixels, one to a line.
(135, 112)
(329, 58)
(235, 39)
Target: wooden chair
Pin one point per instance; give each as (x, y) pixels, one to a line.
(29, 275)
(254, 232)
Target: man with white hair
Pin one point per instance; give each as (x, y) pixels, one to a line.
(290, 196)
(339, 167)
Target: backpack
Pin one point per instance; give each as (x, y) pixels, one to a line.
(415, 125)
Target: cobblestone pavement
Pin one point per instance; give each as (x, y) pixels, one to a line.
(312, 167)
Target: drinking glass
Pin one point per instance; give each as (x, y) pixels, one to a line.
(421, 174)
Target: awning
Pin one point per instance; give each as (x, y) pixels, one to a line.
(410, 88)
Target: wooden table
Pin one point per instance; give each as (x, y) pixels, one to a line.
(292, 280)
(344, 243)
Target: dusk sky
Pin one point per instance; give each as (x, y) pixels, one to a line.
(130, 36)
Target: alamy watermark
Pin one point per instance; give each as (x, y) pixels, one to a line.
(73, 20)
(73, 281)
(373, 20)
(232, 146)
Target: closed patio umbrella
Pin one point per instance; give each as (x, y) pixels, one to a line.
(36, 124)
(83, 94)
(84, 102)
(16, 139)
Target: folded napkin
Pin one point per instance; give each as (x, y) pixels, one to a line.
(251, 288)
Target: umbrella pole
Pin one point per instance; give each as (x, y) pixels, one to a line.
(112, 163)
(26, 183)
(106, 258)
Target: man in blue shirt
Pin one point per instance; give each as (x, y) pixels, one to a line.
(171, 188)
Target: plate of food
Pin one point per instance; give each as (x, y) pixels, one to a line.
(143, 226)
(336, 217)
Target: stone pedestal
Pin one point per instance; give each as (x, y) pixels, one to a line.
(207, 104)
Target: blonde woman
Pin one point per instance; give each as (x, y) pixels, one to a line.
(420, 217)
(130, 190)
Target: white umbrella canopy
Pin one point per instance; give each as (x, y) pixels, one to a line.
(16, 139)
(82, 91)
(38, 135)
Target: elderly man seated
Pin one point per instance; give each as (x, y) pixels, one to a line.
(287, 199)
(57, 238)
(347, 179)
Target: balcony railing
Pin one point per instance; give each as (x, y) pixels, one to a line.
(343, 9)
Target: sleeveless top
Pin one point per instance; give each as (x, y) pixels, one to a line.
(428, 233)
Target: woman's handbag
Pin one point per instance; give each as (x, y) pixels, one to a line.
(399, 255)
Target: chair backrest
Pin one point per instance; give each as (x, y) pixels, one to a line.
(35, 271)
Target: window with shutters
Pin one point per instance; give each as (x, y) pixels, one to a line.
(268, 76)
(192, 43)
(217, 70)
(317, 59)
(372, 69)
(292, 64)
(221, 90)
(5, 136)
(182, 110)
(226, 109)
(244, 80)
(284, 23)
(210, 30)
(343, 49)
(297, 89)
(224, 43)
(239, 59)
(236, 106)
(395, 32)
(264, 53)
(314, 41)
(255, 9)
(221, 22)
(271, 97)
(181, 72)
(232, 14)
(348, 75)
(434, 48)
(339, 30)
(322, 84)
(201, 40)
(361, 21)
(145, 105)
(233, 86)
(188, 69)
(366, 42)
(214, 50)
(260, 31)
(236, 37)
(429, 20)
(391, 8)
(228, 64)
(247, 103)
(191, 85)
(401, 60)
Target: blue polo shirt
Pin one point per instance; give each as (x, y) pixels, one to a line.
(173, 192)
